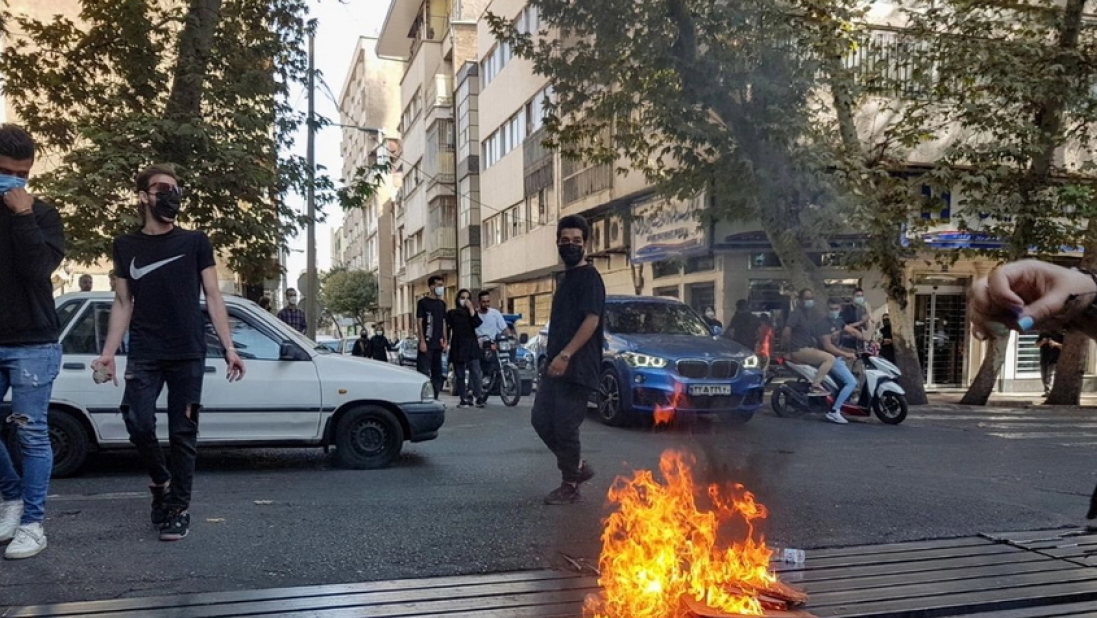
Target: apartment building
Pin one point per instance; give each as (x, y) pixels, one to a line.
(646, 245)
(370, 107)
(434, 38)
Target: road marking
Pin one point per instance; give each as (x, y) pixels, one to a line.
(121, 495)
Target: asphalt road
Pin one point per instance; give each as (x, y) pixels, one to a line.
(470, 502)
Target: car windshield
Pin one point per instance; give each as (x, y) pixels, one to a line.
(654, 318)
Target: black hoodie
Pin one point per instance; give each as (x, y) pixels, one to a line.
(31, 248)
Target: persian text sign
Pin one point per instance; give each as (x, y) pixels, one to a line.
(663, 229)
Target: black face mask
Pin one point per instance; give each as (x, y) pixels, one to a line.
(167, 205)
(570, 254)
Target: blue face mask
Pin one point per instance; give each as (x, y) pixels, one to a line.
(809, 304)
(834, 314)
(7, 183)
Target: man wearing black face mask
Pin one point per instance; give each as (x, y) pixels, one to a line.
(162, 270)
(575, 350)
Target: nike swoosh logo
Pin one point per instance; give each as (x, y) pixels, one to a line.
(137, 273)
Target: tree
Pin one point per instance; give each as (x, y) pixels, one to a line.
(1016, 83)
(350, 293)
(202, 84)
(673, 87)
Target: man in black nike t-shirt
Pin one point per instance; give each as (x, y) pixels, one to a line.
(161, 272)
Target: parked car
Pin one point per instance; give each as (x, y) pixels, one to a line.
(660, 354)
(537, 346)
(296, 393)
(331, 343)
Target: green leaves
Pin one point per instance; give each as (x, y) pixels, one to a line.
(349, 293)
(95, 94)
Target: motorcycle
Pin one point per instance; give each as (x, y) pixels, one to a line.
(500, 369)
(877, 392)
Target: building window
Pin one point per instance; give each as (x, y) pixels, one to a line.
(768, 259)
(522, 305)
(1028, 355)
(671, 292)
(666, 268)
(700, 264)
(702, 295)
(542, 309)
(506, 138)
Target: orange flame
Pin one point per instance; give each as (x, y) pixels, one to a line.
(659, 550)
(664, 415)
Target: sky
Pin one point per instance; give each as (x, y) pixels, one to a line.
(340, 23)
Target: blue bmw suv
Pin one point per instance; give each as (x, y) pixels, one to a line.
(660, 355)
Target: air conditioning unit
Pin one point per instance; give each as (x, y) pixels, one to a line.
(598, 236)
(615, 233)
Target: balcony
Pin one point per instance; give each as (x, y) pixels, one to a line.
(442, 243)
(585, 182)
(537, 168)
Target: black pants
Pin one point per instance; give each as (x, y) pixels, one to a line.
(144, 381)
(558, 412)
(429, 363)
(475, 380)
(1047, 373)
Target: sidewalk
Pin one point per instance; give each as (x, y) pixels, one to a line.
(951, 398)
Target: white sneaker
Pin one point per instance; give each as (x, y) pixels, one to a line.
(30, 540)
(835, 416)
(10, 514)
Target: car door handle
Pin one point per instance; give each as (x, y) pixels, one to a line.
(211, 370)
(75, 366)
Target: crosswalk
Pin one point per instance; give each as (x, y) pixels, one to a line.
(1064, 426)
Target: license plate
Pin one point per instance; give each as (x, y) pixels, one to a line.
(703, 390)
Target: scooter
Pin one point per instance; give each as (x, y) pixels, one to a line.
(877, 392)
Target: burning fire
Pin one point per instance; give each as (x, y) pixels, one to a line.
(664, 415)
(662, 555)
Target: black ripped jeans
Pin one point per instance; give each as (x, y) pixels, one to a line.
(145, 378)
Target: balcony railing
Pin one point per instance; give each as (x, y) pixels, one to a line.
(442, 243)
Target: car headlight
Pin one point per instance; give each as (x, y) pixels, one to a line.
(644, 361)
(427, 394)
(751, 362)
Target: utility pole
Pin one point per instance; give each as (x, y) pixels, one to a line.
(312, 302)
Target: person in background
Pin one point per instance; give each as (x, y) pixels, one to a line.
(575, 365)
(763, 349)
(1050, 344)
(858, 321)
(85, 283)
(464, 350)
(1029, 295)
(293, 316)
(264, 302)
(887, 344)
(710, 318)
(32, 245)
(378, 347)
(743, 327)
(361, 345)
(430, 317)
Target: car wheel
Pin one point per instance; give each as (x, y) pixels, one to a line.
(69, 441)
(610, 407)
(367, 438)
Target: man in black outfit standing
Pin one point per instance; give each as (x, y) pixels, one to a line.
(430, 317)
(575, 350)
(1051, 345)
(162, 270)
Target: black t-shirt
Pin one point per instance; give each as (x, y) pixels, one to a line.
(744, 327)
(579, 293)
(805, 328)
(164, 274)
(433, 312)
(1048, 353)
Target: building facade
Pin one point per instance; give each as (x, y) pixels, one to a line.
(435, 38)
(370, 108)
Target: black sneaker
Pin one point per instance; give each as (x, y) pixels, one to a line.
(176, 527)
(159, 509)
(566, 493)
(463, 404)
(481, 403)
(585, 473)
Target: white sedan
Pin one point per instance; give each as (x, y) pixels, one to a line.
(296, 393)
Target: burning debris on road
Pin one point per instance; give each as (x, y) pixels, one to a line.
(664, 555)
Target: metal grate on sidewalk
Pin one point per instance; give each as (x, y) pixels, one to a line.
(1039, 574)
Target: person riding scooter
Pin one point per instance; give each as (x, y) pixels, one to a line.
(811, 338)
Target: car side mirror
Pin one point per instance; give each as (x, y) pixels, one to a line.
(289, 352)
(524, 339)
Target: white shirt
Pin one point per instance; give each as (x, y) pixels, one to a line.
(493, 324)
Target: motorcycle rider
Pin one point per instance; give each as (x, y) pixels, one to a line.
(810, 337)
